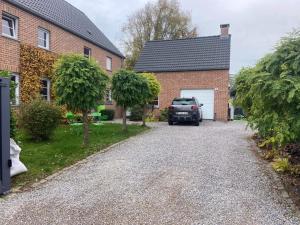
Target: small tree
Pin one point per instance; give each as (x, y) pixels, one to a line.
(80, 84)
(155, 87)
(129, 89)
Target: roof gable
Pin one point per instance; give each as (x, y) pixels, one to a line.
(191, 54)
(68, 17)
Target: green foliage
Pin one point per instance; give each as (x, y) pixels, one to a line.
(39, 119)
(110, 113)
(163, 115)
(80, 82)
(154, 86)
(129, 89)
(13, 125)
(136, 113)
(269, 93)
(281, 165)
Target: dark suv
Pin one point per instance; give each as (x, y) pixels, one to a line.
(185, 110)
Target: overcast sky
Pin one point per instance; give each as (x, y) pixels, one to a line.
(255, 25)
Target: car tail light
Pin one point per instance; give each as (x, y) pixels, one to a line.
(194, 107)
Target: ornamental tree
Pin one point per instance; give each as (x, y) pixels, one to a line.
(155, 87)
(269, 93)
(129, 89)
(80, 83)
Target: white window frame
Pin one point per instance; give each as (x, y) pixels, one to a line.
(90, 52)
(108, 101)
(48, 88)
(15, 25)
(108, 63)
(156, 106)
(47, 47)
(17, 90)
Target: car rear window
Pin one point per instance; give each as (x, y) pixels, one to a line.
(184, 101)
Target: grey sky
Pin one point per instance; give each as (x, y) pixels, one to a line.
(256, 25)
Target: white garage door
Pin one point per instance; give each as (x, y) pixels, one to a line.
(205, 97)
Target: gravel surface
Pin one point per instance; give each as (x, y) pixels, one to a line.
(170, 175)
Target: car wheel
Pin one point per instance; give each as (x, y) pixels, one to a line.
(197, 123)
(170, 122)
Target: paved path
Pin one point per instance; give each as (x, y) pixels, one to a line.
(170, 175)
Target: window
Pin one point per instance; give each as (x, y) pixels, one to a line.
(9, 26)
(109, 63)
(108, 97)
(15, 78)
(87, 52)
(45, 89)
(155, 103)
(43, 38)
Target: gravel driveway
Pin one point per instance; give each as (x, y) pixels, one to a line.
(170, 175)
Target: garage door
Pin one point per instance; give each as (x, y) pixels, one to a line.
(205, 97)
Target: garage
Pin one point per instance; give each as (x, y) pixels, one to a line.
(205, 97)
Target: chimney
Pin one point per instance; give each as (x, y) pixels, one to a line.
(224, 30)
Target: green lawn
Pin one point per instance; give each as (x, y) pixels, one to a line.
(65, 148)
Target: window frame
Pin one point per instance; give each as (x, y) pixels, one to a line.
(90, 52)
(108, 97)
(110, 63)
(48, 89)
(47, 38)
(156, 106)
(16, 101)
(15, 24)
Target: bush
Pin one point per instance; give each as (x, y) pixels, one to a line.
(136, 113)
(281, 165)
(163, 116)
(109, 113)
(13, 125)
(39, 119)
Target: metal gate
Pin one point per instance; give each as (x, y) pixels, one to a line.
(5, 162)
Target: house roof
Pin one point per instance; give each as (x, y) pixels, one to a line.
(68, 17)
(191, 54)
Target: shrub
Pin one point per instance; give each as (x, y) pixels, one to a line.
(163, 116)
(281, 165)
(109, 113)
(39, 119)
(136, 113)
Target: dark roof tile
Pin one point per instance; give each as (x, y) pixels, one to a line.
(191, 54)
(68, 17)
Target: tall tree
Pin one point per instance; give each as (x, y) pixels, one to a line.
(161, 20)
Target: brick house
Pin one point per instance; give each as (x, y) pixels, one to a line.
(55, 26)
(193, 67)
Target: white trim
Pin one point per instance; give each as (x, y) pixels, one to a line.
(48, 88)
(108, 63)
(47, 47)
(15, 25)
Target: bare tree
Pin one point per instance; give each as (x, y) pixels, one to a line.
(162, 20)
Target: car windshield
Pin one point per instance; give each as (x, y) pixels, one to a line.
(184, 101)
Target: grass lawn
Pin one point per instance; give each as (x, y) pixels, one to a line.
(65, 148)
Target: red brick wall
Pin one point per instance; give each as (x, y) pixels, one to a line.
(173, 82)
(61, 41)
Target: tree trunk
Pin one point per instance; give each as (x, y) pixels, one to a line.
(144, 115)
(124, 119)
(85, 128)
